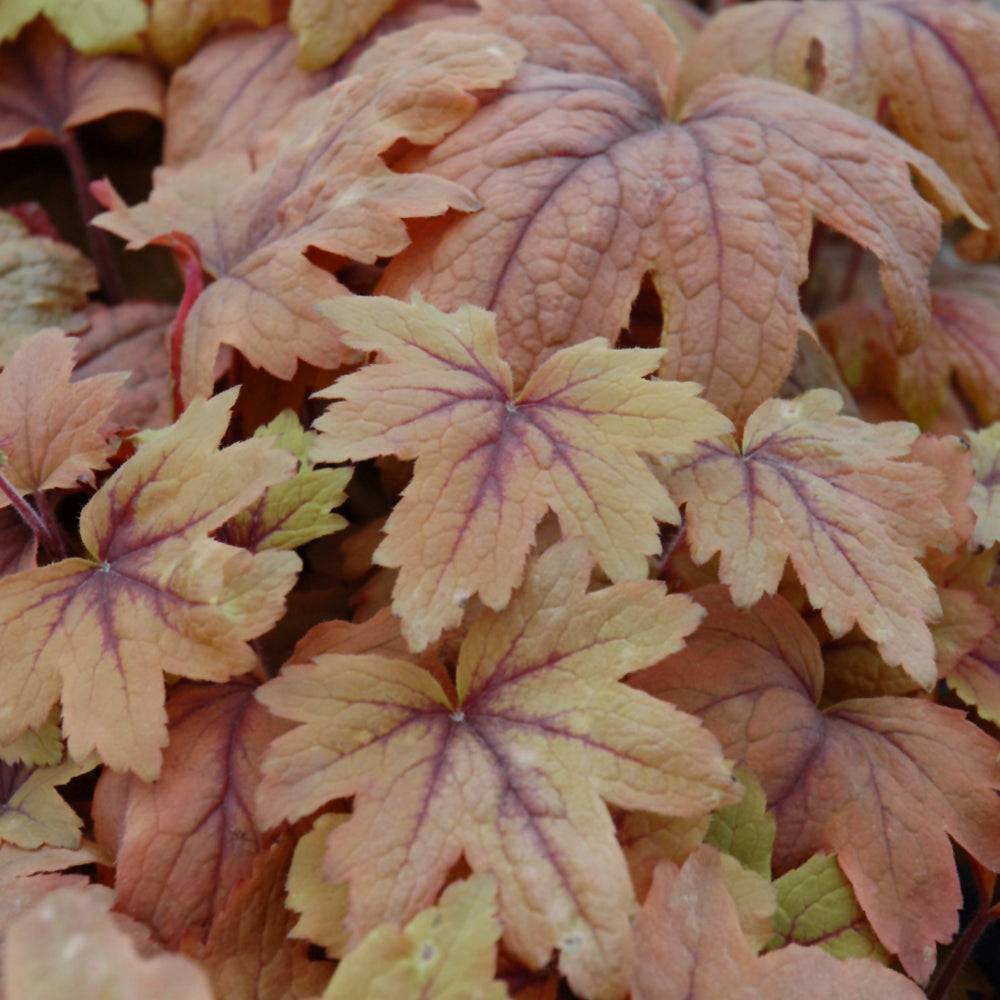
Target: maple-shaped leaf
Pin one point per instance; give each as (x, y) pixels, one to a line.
(70, 945)
(183, 842)
(240, 84)
(689, 947)
(588, 185)
(319, 180)
(299, 510)
(43, 282)
(52, 431)
(153, 594)
(490, 461)
(32, 812)
(131, 337)
(510, 771)
(46, 88)
(248, 954)
(837, 497)
(925, 67)
(882, 782)
(447, 950)
(93, 27)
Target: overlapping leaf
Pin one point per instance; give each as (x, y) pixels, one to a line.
(880, 781)
(295, 512)
(248, 953)
(318, 181)
(838, 497)
(690, 947)
(93, 27)
(510, 771)
(492, 461)
(177, 27)
(238, 86)
(153, 594)
(588, 185)
(43, 282)
(925, 67)
(183, 842)
(327, 28)
(51, 430)
(447, 950)
(46, 88)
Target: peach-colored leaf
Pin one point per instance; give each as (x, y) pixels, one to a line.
(689, 947)
(588, 184)
(328, 28)
(491, 461)
(43, 282)
(248, 954)
(881, 781)
(177, 27)
(70, 946)
(52, 431)
(318, 181)
(183, 842)
(153, 594)
(93, 27)
(131, 337)
(448, 950)
(239, 85)
(925, 67)
(511, 771)
(962, 343)
(46, 88)
(838, 498)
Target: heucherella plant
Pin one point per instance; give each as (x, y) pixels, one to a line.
(523, 521)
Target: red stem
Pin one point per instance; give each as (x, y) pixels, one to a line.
(190, 257)
(50, 541)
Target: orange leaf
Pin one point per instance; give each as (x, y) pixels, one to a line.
(928, 68)
(328, 28)
(70, 945)
(182, 843)
(131, 337)
(512, 774)
(248, 954)
(588, 185)
(492, 461)
(318, 181)
(154, 593)
(177, 27)
(239, 85)
(51, 431)
(880, 781)
(689, 947)
(836, 496)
